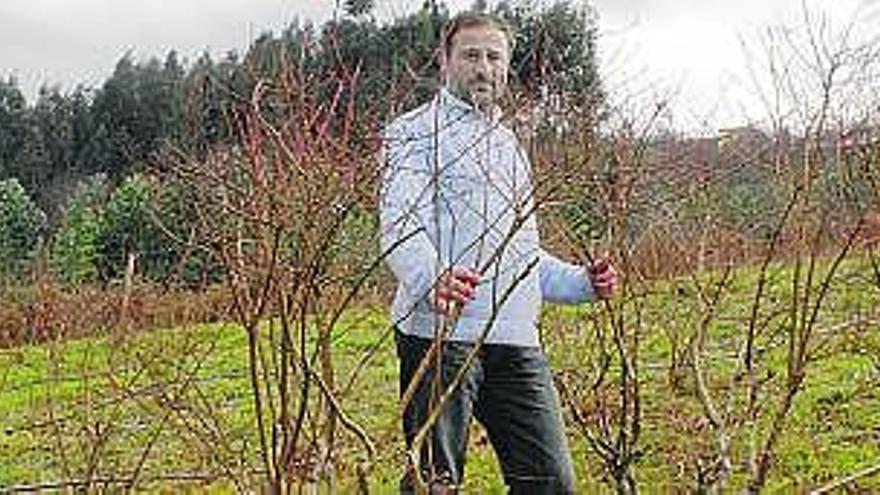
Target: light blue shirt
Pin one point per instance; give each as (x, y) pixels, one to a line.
(457, 190)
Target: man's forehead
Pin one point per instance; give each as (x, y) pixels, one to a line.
(480, 36)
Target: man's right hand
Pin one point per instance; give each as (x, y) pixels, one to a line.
(456, 286)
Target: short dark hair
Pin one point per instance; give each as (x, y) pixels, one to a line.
(469, 19)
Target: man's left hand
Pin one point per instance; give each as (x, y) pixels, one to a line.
(604, 278)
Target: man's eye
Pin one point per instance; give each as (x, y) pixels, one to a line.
(472, 56)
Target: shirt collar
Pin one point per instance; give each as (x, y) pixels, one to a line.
(449, 100)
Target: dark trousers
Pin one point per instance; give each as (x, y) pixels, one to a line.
(510, 391)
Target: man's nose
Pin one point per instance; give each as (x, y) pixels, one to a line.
(483, 67)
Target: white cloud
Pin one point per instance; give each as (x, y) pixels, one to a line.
(694, 50)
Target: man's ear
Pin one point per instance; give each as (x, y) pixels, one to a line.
(443, 60)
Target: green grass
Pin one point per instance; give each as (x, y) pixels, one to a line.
(186, 392)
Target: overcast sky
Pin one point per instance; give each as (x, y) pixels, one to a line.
(699, 51)
(689, 48)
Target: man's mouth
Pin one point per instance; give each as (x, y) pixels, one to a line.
(481, 87)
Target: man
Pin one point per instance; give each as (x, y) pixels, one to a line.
(458, 221)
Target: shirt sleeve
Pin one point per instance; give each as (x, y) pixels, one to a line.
(406, 213)
(563, 282)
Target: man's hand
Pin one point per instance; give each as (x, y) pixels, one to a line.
(456, 287)
(604, 278)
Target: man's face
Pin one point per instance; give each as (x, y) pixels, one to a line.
(476, 65)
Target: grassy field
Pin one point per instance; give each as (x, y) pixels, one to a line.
(177, 401)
